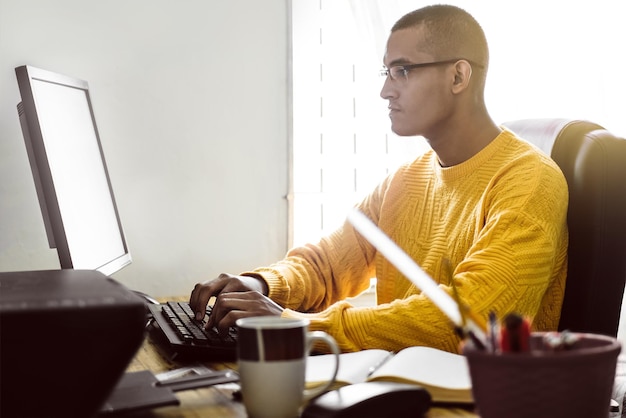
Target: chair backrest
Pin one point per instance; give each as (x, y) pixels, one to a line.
(594, 164)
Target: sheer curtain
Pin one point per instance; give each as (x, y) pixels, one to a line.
(549, 58)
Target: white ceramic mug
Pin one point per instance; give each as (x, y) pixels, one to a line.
(272, 353)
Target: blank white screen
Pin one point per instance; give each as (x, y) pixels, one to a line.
(93, 234)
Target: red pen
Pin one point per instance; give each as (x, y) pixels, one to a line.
(515, 334)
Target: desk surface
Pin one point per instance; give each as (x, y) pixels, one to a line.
(216, 401)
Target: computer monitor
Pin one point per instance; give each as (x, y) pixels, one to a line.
(69, 170)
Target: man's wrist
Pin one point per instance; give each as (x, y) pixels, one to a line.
(264, 288)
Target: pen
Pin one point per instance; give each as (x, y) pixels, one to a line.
(463, 331)
(493, 332)
(466, 313)
(515, 334)
(376, 366)
(478, 343)
(469, 339)
(411, 270)
(199, 381)
(457, 299)
(473, 317)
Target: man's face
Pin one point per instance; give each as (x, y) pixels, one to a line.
(420, 101)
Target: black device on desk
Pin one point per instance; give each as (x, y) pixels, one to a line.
(182, 337)
(371, 400)
(67, 336)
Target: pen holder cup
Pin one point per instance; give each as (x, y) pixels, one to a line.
(576, 382)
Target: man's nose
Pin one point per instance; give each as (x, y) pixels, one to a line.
(386, 92)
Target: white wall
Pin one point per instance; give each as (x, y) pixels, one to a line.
(191, 101)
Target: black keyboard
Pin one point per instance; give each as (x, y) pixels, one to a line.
(184, 338)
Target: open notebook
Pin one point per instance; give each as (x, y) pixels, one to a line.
(444, 375)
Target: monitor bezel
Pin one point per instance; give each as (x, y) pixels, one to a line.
(40, 168)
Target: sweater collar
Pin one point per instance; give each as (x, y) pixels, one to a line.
(467, 167)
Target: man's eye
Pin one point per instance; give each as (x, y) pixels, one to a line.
(398, 72)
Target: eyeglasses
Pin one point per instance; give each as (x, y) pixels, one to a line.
(401, 72)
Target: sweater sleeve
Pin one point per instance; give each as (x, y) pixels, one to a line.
(314, 276)
(313, 281)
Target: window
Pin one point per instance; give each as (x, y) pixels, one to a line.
(548, 59)
(342, 144)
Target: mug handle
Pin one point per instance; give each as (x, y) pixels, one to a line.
(330, 342)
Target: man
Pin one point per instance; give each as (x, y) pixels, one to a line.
(483, 210)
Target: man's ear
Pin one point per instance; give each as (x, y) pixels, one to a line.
(462, 75)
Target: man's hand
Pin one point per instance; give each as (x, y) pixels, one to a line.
(235, 297)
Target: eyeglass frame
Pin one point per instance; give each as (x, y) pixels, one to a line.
(386, 72)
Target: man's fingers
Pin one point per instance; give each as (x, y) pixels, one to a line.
(240, 283)
(230, 306)
(224, 283)
(230, 320)
(199, 299)
(224, 303)
(203, 292)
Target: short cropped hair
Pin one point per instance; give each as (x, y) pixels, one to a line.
(451, 32)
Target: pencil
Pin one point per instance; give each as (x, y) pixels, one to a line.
(466, 312)
(457, 299)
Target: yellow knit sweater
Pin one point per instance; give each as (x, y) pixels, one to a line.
(495, 224)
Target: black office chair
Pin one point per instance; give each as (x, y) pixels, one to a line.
(594, 164)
